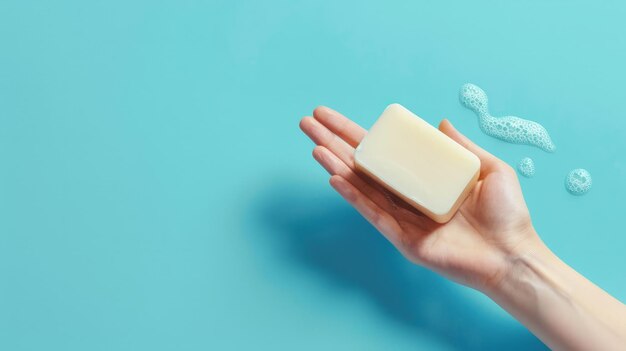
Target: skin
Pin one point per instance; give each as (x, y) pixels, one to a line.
(489, 245)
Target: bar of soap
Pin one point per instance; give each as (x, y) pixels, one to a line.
(418, 163)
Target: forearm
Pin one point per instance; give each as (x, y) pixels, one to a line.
(561, 307)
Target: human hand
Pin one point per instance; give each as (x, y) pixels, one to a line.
(474, 248)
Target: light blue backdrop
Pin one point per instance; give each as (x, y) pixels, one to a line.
(156, 193)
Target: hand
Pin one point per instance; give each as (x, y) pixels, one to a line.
(490, 243)
(491, 227)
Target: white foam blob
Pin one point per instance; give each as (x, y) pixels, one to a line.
(578, 181)
(509, 128)
(526, 167)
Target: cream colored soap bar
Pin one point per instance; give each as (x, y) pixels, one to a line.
(418, 163)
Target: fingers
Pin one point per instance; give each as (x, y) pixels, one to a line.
(339, 124)
(379, 218)
(322, 136)
(487, 160)
(335, 166)
(337, 158)
(339, 149)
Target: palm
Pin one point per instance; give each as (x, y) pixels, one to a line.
(467, 247)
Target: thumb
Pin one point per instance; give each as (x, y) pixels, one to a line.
(487, 160)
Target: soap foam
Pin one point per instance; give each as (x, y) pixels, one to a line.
(526, 167)
(578, 181)
(509, 128)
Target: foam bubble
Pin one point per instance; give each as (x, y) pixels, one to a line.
(474, 98)
(526, 167)
(578, 181)
(509, 128)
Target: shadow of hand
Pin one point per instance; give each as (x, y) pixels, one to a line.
(327, 237)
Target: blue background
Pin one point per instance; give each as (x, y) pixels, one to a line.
(156, 193)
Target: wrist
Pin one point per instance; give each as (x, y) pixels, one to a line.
(562, 308)
(527, 262)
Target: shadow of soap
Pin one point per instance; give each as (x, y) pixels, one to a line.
(322, 234)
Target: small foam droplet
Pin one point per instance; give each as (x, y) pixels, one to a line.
(578, 181)
(526, 167)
